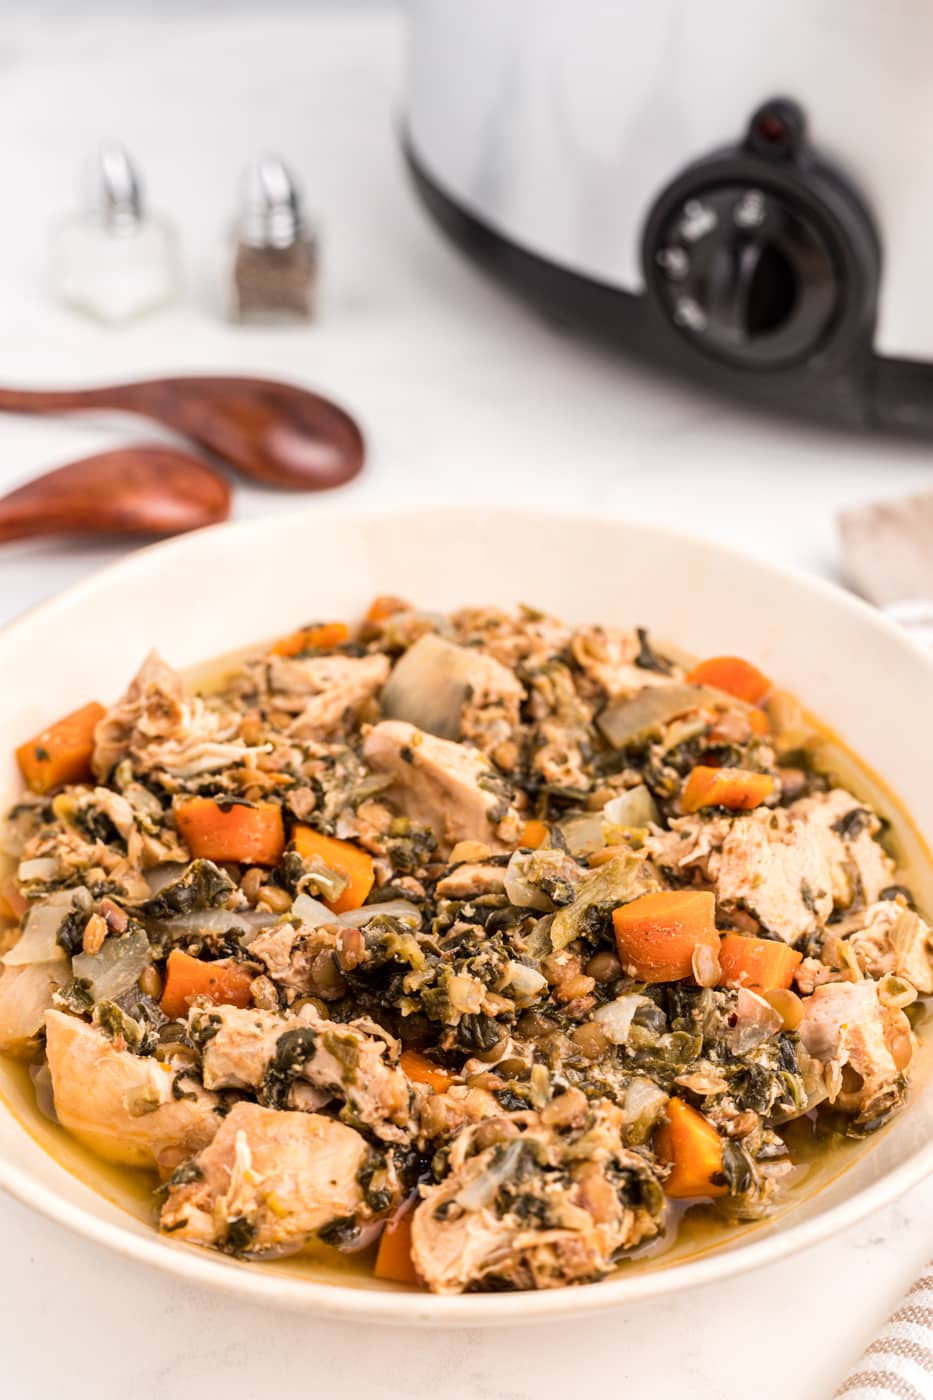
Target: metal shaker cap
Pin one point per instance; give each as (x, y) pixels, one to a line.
(271, 214)
(114, 190)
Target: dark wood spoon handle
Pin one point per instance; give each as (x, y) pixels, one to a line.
(52, 400)
(276, 433)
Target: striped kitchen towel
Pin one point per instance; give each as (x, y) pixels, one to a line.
(899, 1363)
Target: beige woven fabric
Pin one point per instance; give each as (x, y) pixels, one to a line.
(899, 1363)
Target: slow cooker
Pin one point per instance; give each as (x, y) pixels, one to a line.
(737, 190)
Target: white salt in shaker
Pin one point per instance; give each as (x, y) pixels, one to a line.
(112, 260)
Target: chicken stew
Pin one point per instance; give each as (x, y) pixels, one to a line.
(481, 943)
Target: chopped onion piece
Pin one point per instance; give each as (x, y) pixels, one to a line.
(615, 1018)
(643, 1105)
(483, 1188)
(116, 968)
(42, 1084)
(311, 912)
(583, 834)
(682, 731)
(25, 997)
(200, 921)
(429, 684)
(323, 880)
(757, 1021)
(39, 940)
(394, 908)
(17, 828)
(526, 982)
(39, 868)
(166, 874)
(636, 807)
(529, 872)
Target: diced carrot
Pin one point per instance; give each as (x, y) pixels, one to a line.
(534, 834)
(319, 636)
(761, 963)
(12, 903)
(393, 1258)
(343, 857)
(225, 984)
(421, 1070)
(62, 753)
(758, 722)
(736, 788)
(384, 607)
(657, 933)
(253, 835)
(691, 1144)
(734, 676)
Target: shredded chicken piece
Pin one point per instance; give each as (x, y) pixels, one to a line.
(769, 864)
(848, 1030)
(608, 657)
(563, 732)
(293, 957)
(268, 1183)
(528, 637)
(449, 787)
(325, 694)
(470, 879)
(122, 1105)
(551, 1203)
(892, 938)
(859, 865)
(267, 1052)
(163, 728)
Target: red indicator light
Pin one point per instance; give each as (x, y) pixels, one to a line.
(771, 129)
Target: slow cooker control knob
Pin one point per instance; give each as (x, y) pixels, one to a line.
(762, 256)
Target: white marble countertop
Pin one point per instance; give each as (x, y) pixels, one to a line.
(461, 393)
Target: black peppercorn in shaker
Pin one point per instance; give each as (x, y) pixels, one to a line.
(275, 255)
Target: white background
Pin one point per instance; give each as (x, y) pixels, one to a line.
(462, 393)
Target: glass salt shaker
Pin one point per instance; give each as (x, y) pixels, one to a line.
(112, 260)
(274, 256)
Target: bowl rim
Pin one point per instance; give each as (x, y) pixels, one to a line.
(404, 1306)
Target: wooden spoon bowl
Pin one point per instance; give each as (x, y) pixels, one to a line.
(144, 490)
(276, 433)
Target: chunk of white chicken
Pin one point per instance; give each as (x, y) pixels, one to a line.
(448, 787)
(470, 879)
(122, 1105)
(893, 938)
(268, 1182)
(610, 657)
(859, 865)
(864, 1047)
(164, 729)
(279, 1056)
(303, 959)
(536, 1201)
(765, 863)
(528, 636)
(324, 693)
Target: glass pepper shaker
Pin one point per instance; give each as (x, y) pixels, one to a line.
(112, 260)
(274, 266)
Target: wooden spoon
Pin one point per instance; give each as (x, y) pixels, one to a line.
(143, 490)
(277, 433)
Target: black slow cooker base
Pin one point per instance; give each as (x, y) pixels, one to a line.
(870, 392)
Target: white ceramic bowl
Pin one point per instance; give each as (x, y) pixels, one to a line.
(215, 591)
